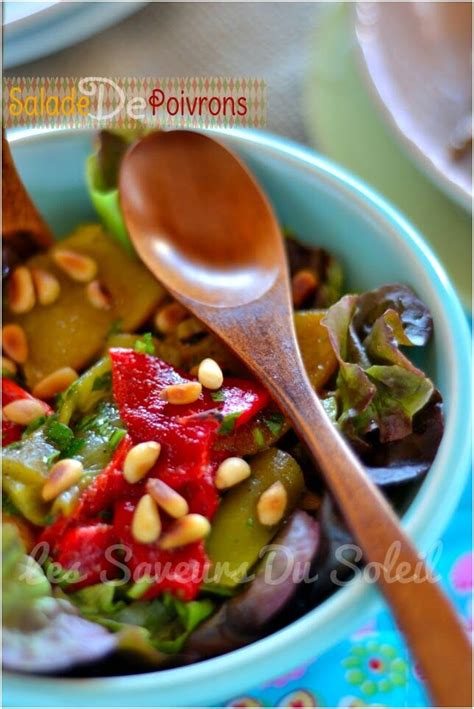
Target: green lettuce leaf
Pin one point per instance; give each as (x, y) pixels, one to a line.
(160, 625)
(102, 169)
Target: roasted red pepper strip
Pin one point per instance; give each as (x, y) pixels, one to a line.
(108, 486)
(138, 380)
(180, 571)
(88, 551)
(244, 396)
(85, 548)
(52, 536)
(184, 431)
(11, 432)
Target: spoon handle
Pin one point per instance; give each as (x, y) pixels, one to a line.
(20, 218)
(425, 616)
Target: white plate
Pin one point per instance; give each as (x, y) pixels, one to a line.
(417, 56)
(32, 30)
(16, 11)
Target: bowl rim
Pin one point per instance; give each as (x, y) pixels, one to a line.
(351, 604)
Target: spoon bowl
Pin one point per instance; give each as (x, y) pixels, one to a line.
(182, 236)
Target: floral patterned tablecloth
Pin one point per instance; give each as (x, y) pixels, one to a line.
(373, 666)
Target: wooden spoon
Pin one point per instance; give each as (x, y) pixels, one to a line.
(21, 221)
(205, 229)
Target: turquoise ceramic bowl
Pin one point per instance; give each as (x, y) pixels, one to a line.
(328, 207)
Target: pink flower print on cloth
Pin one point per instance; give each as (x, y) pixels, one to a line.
(285, 679)
(461, 573)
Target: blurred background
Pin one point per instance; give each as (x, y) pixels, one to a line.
(383, 89)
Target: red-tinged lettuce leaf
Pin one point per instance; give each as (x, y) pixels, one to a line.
(378, 386)
(400, 394)
(411, 457)
(55, 638)
(42, 633)
(356, 394)
(337, 321)
(384, 340)
(414, 315)
(355, 389)
(378, 389)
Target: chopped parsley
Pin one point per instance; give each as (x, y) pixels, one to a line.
(258, 437)
(145, 344)
(104, 422)
(34, 425)
(218, 395)
(102, 382)
(274, 422)
(74, 448)
(228, 423)
(115, 328)
(50, 459)
(115, 438)
(59, 434)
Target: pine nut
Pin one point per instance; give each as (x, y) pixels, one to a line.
(188, 328)
(97, 296)
(210, 374)
(272, 504)
(46, 285)
(77, 266)
(146, 523)
(20, 291)
(186, 393)
(55, 383)
(14, 343)
(168, 499)
(8, 366)
(303, 284)
(140, 460)
(63, 475)
(169, 317)
(184, 531)
(23, 411)
(231, 472)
